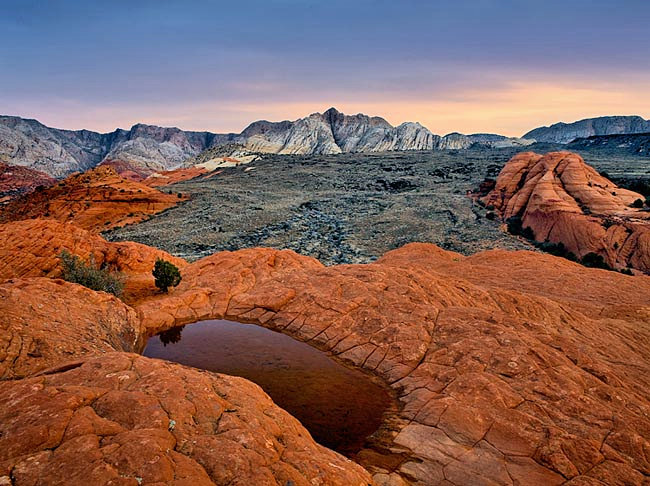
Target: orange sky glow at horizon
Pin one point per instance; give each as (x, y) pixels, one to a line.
(511, 109)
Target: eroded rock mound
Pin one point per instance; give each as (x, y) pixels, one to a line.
(30, 248)
(46, 322)
(96, 200)
(128, 420)
(564, 200)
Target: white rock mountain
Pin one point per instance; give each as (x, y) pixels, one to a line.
(604, 125)
(146, 148)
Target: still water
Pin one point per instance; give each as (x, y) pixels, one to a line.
(340, 407)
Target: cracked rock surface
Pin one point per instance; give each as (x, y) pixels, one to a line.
(511, 368)
(122, 419)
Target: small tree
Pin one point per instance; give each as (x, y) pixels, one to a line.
(637, 203)
(166, 274)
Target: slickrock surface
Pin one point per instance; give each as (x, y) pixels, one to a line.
(46, 322)
(16, 180)
(122, 419)
(96, 200)
(562, 199)
(512, 368)
(498, 386)
(30, 248)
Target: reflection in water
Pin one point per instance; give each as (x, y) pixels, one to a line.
(340, 407)
(171, 336)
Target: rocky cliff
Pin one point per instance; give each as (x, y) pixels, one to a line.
(604, 125)
(147, 149)
(510, 367)
(564, 200)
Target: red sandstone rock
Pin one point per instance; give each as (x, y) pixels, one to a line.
(503, 380)
(46, 322)
(128, 420)
(96, 200)
(30, 248)
(16, 180)
(511, 368)
(562, 199)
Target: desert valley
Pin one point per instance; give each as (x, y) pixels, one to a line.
(354, 243)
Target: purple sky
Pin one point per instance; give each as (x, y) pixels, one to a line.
(502, 66)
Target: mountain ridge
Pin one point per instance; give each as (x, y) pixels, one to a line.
(604, 125)
(145, 149)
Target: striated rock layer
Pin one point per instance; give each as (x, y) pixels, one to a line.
(96, 200)
(563, 200)
(510, 367)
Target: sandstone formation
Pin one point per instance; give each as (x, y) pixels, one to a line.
(511, 368)
(501, 383)
(604, 125)
(96, 200)
(122, 419)
(16, 180)
(30, 248)
(46, 322)
(146, 149)
(563, 200)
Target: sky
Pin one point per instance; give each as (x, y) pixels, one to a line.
(499, 66)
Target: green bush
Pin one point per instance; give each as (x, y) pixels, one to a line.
(166, 274)
(594, 260)
(556, 249)
(89, 275)
(637, 204)
(514, 225)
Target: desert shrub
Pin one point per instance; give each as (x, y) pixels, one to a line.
(180, 195)
(637, 203)
(514, 225)
(166, 274)
(608, 223)
(89, 275)
(528, 233)
(490, 215)
(557, 249)
(594, 260)
(626, 271)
